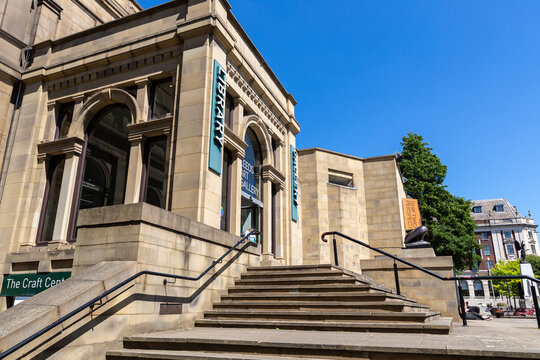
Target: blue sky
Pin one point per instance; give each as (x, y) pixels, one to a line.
(463, 74)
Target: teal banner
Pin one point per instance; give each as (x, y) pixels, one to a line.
(294, 184)
(31, 284)
(217, 118)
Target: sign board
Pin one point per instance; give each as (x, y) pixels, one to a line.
(217, 119)
(31, 284)
(294, 184)
(411, 213)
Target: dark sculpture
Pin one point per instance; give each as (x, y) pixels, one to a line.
(415, 238)
(521, 248)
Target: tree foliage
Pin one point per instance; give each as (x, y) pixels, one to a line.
(535, 263)
(506, 287)
(451, 228)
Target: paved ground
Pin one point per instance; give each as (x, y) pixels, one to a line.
(509, 338)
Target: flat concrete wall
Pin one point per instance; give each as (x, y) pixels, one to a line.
(437, 294)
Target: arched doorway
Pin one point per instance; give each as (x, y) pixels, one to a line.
(251, 185)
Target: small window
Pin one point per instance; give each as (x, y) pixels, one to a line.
(489, 264)
(487, 250)
(510, 249)
(507, 235)
(478, 288)
(155, 172)
(533, 249)
(55, 173)
(499, 208)
(477, 209)
(485, 236)
(464, 287)
(161, 98)
(341, 179)
(530, 235)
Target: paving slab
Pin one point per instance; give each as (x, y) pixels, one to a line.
(506, 338)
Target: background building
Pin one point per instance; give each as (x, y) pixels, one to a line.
(500, 225)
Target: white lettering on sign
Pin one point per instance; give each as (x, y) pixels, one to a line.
(295, 176)
(247, 170)
(220, 107)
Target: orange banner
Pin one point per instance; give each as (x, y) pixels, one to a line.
(411, 213)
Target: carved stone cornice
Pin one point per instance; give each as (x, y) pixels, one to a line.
(235, 76)
(68, 146)
(138, 131)
(233, 142)
(270, 173)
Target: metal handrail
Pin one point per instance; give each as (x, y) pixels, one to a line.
(438, 276)
(91, 303)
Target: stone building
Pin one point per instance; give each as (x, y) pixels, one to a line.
(499, 226)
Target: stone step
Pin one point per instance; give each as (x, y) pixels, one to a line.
(349, 316)
(192, 355)
(330, 288)
(440, 326)
(290, 267)
(383, 306)
(310, 280)
(292, 273)
(315, 296)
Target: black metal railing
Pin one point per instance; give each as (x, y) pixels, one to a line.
(461, 305)
(90, 304)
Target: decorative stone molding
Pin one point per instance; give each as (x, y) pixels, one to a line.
(270, 173)
(138, 131)
(68, 146)
(235, 144)
(235, 75)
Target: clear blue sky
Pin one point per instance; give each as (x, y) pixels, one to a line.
(463, 74)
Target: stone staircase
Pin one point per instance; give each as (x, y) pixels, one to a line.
(273, 312)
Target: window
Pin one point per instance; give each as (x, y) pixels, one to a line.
(487, 250)
(533, 249)
(229, 111)
(478, 288)
(50, 200)
(161, 98)
(507, 235)
(485, 236)
(530, 235)
(155, 172)
(340, 179)
(510, 249)
(499, 208)
(226, 190)
(477, 209)
(464, 287)
(489, 264)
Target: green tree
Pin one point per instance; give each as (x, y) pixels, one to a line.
(506, 287)
(451, 228)
(535, 263)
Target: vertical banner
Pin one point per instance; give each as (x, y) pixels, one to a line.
(217, 119)
(411, 212)
(294, 184)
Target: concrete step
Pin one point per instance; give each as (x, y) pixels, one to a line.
(290, 267)
(288, 274)
(440, 326)
(383, 306)
(304, 288)
(238, 314)
(306, 280)
(315, 296)
(192, 355)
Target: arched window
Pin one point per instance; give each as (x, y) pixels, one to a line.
(478, 288)
(105, 160)
(464, 287)
(251, 183)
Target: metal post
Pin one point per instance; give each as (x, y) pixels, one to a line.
(535, 301)
(462, 306)
(396, 277)
(335, 251)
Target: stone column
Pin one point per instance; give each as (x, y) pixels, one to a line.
(65, 200)
(238, 113)
(134, 177)
(267, 220)
(143, 99)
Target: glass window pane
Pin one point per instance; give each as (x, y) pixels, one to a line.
(156, 172)
(225, 190)
(162, 98)
(478, 288)
(464, 287)
(56, 172)
(510, 249)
